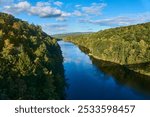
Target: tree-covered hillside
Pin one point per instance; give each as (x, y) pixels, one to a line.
(30, 62)
(128, 45)
(60, 36)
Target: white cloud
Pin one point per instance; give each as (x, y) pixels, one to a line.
(42, 4)
(94, 9)
(77, 13)
(54, 25)
(41, 9)
(45, 11)
(15, 8)
(58, 3)
(78, 6)
(22, 5)
(111, 21)
(120, 21)
(52, 28)
(65, 14)
(62, 19)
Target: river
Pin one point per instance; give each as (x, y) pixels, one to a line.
(91, 79)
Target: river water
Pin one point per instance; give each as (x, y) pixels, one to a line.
(90, 79)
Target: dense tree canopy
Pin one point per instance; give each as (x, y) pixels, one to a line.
(30, 60)
(123, 45)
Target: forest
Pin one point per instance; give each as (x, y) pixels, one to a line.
(61, 36)
(128, 46)
(31, 62)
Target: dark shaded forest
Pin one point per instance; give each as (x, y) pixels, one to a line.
(30, 60)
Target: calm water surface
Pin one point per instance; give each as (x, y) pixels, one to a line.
(91, 79)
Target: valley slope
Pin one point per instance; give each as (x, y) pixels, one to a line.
(30, 60)
(128, 46)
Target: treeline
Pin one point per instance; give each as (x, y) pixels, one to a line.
(30, 60)
(61, 36)
(123, 45)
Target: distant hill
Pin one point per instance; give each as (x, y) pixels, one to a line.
(61, 36)
(30, 62)
(129, 45)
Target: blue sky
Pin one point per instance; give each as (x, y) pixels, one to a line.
(63, 16)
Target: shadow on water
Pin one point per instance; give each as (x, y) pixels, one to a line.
(122, 75)
(91, 79)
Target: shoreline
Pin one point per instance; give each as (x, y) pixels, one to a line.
(96, 57)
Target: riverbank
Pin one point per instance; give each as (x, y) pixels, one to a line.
(103, 80)
(138, 68)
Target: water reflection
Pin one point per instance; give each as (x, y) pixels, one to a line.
(124, 76)
(90, 79)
